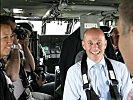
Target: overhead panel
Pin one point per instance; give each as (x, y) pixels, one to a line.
(88, 21)
(73, 8)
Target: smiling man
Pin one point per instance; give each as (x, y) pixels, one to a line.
(94, 44)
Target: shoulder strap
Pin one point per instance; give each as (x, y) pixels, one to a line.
(84, 72)
(6, 94)
(91, 95)
(23, 77)
(115, 95)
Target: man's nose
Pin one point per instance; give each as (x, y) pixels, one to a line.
(95, 46)
(10, 40)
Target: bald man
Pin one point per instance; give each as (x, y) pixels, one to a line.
(94, 44)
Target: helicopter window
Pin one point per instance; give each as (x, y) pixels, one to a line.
(56, 28)
(37, 25)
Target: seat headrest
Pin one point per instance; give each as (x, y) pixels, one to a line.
(105, 28)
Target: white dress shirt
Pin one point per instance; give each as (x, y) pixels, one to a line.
(73, 89)
(18, 88)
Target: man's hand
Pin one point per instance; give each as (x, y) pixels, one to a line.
(40, 81)
(24, 42)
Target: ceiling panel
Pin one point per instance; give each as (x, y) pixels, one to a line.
(72, 8)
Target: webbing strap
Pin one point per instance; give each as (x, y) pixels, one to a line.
(84, 71)
(115, 95)
(23, 76)
(91, 95)
(111, 72)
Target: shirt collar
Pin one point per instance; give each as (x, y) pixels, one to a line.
(91, 63)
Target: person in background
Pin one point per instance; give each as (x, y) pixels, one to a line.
(6, 41)
(115, 39)
(27, 63)
(22, 86)
(125, 29)
(94, 44)
(13, 60)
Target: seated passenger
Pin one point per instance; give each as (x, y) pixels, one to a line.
(28, 64)
(97, 66)
(44, 82)
(115, 39)
(13, 69)
(22, 90)
(6, 41)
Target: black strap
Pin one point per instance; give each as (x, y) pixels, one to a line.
(115, 95)
(26, 84)
(5, 92)
(91, 95)
(2, 64)
(33, 75)
(84, 70)
(23, 77)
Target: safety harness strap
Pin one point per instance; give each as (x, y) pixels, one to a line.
(115, 95)
(91, 95)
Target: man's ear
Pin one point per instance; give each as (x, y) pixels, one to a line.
(131, 30)
(105, 44)
(83, 44)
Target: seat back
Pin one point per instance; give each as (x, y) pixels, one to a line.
(70, 47)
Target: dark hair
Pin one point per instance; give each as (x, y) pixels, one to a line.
(126, 14)
(114, 30)
(4, 20)
(11, 18)
(7, 18)
(26, 25)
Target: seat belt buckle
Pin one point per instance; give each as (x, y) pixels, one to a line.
(114, 82)
(87, 86)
